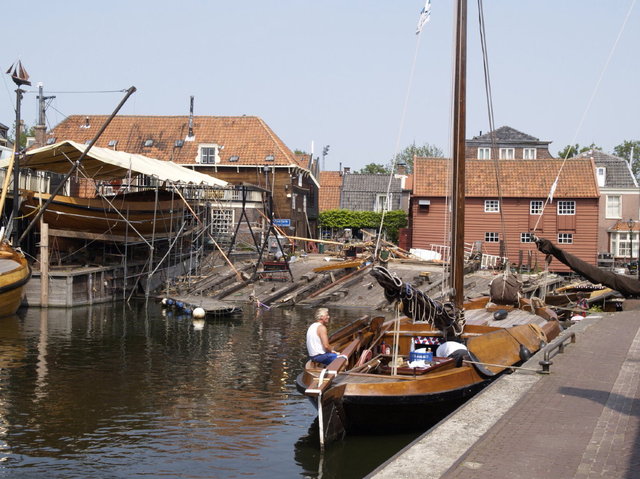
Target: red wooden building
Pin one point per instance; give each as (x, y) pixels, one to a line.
(570, 221)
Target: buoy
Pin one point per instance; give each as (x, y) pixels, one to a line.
(199, 313)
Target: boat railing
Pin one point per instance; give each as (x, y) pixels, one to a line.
(491, 261)
(555, 347)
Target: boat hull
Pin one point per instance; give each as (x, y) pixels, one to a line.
(14, 275)
(120, 215)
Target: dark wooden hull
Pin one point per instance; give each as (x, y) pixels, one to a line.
(118, 216)
(14, 275)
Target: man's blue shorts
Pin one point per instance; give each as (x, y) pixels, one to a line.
(325, 358)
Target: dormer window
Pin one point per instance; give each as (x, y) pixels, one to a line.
(269, 158)
(528, 153)
(234, 158)
(208, 154)
(51, 141)
(113, 143)
(484, 153)
(148, 143)
(601, 175)
(506, 153)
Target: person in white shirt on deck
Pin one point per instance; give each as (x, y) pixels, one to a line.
(318, 345)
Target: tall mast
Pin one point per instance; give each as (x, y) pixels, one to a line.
(458, 151)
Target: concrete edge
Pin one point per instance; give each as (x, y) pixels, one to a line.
(445, 444)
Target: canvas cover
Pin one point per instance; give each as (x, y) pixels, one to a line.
(107, 164)
(627, 286)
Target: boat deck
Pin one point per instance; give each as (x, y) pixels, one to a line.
(7, 265)
(515, 317)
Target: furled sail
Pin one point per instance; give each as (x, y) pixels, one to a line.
(625, 285)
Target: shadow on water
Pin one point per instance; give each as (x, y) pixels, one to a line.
(353, 457)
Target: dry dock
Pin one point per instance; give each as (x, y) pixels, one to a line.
(580, 421)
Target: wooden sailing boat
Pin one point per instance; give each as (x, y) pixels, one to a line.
(372, 386)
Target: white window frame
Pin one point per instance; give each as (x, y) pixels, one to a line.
(492, 206)
(205, 156)
(535, 207)
(566, 207)
(613, 210)
(484, 153)
(565, 238)
(620, 245)
(507, 153)
(491, 237)
(529, 153)
(601, 175)
(525, 238)
(379, 204)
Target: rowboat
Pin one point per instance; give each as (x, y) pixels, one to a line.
(14, 274)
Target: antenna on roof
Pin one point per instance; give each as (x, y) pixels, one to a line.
(190, 134)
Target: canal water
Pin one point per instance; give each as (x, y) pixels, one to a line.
(129, 390)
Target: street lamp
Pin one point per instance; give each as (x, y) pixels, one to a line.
(630, 224)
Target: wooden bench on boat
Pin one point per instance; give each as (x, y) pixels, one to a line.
(436, 363)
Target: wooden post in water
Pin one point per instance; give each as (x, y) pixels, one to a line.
(44, 264)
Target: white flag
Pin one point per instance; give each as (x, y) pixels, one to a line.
(425, 15)
(553, 190)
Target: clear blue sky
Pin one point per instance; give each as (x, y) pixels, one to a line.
(335, 72)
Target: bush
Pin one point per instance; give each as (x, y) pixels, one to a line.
(339, 219)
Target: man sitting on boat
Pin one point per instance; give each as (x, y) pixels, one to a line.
(455, 350)
(318, 339)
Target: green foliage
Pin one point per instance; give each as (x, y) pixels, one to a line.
(424, 151)
(374, 169)
(570, 151)
(300, 152)
(624, 149)
(339, 219)
(25, 131)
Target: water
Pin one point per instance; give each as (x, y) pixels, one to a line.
(124, 391)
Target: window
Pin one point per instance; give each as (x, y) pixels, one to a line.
(234, 158)
(221, 222)
(113, 143)
(179, 143)
(208, 154)
(381, 202)
(566, 207)
(535, 207)
(621, 245)
(491, 237)
(269, 158)
(492, 206)
(601, 175)
(507, 153)
(529, 153)
(525, 238)
(614, 206)
(484, 153)
(565, 238)
(148, 143)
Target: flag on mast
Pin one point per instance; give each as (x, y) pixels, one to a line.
(425, 15)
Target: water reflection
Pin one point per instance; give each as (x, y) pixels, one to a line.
(126, 390)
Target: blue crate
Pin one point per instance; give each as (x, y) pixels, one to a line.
(418, 356)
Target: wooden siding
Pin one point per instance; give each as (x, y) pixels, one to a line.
(429, 228)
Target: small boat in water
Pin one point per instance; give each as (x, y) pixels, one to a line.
(14, 275)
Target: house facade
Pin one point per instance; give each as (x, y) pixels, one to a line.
(240, 150)
(503, 221)
(506, 143)
(619, 206)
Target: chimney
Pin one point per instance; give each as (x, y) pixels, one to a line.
(190, 134)
(347, 170)
(401, 168)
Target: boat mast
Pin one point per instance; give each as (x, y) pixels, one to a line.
(458, 152)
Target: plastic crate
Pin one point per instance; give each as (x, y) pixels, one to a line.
(419, 356)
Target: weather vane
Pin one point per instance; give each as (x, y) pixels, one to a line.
(18, 74)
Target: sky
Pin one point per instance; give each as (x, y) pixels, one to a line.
(351, 74)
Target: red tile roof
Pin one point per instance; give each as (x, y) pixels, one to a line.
(518, 178)
(330, 187)
(246, 137)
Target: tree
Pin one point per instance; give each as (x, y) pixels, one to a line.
(374, 169)
(570, 151)
(625, 150)
(406, 156)
(25, 131)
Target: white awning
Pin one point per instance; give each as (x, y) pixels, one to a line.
(107, 164)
